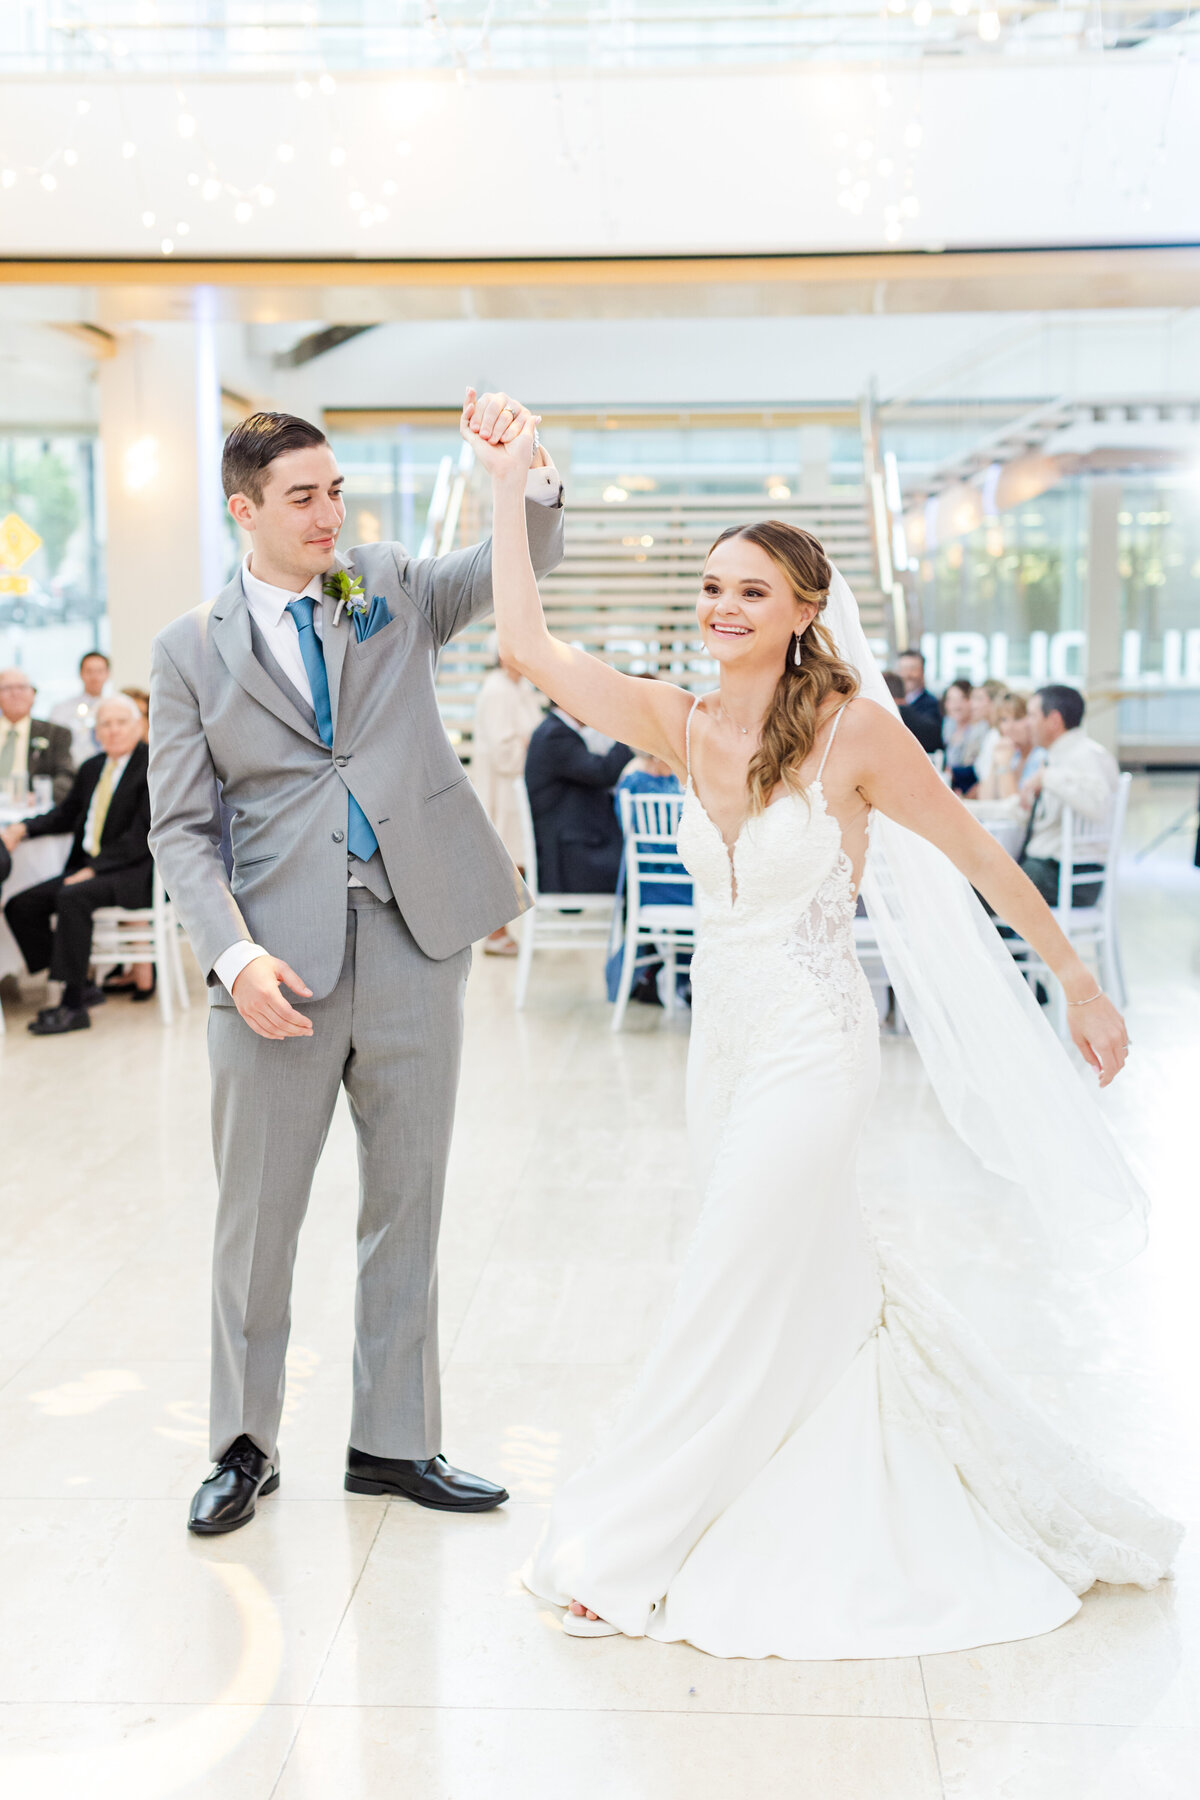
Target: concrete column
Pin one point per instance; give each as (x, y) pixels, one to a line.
(1102, 618)
(160, 439)
(816, 450)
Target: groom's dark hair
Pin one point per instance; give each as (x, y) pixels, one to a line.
(252, 447)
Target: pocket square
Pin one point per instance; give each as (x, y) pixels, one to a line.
(376, 617)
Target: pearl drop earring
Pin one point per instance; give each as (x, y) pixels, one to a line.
(797, 653)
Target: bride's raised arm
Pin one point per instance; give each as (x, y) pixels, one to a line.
(650, 715)
(896, 776)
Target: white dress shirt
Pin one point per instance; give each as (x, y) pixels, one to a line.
(19, 762)
(268, 608)
(118, 769)
(1079, 773)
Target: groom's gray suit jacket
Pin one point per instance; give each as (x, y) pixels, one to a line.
(218, 715)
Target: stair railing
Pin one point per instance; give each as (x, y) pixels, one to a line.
(886, 526)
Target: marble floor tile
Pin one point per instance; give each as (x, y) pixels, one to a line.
(529, 1425)
(1127, 1656)
(440, 1619)
(118, 1603)
(594, 1312)
(370, 1649)
(1068, 1762)
(147, 1752)
(597, 1755)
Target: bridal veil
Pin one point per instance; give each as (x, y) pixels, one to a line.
(1005, 1082)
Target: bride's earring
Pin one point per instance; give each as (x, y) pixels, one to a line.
(797, 653)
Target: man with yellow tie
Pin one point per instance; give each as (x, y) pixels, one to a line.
(108, 813)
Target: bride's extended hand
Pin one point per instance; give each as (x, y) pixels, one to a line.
(500, 431)
(1100, 1037)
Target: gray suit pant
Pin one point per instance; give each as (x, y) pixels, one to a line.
(391, 1034)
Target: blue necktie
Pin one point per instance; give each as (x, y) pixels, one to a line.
(360, 839)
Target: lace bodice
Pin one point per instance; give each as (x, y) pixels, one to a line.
(776, 928)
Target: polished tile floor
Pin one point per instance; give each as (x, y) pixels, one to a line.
(348, 1649)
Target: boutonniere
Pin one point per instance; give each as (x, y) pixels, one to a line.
(39, 743)
(347, 590)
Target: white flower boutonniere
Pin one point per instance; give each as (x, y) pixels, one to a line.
(347, 590)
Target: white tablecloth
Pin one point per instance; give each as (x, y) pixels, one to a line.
(37, 859)
(1007, 829)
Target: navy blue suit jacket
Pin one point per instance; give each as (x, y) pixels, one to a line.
(570, 796)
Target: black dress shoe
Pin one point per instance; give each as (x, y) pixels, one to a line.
(430, 1482)
(53, 1019)
(226, 1498)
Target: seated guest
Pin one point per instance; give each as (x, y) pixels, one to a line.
(507, 712)
(919, 709)
(570, 772)
(28, 746)
(1077, 772)
(78, 714)
(108, 813)
(984, 700)
(141, 700)
(894, 685)
(1015, 755)
(962, 736)
(650, 775)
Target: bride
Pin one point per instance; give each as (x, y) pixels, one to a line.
(817, 1459)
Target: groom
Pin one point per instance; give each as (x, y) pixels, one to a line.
(301, 701)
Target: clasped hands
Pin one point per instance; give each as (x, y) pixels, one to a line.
(500, 431)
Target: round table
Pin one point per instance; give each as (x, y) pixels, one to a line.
(33, 860)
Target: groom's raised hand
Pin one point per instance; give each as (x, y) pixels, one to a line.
(256, 994)
(495, 418)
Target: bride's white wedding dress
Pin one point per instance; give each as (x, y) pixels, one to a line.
(818, 1460)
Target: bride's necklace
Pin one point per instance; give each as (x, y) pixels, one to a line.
(744, 729)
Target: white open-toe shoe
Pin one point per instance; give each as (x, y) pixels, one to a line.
(578, 1625)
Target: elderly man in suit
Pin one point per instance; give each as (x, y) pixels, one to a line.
(108, 811)
(363, 869)
(29, 746)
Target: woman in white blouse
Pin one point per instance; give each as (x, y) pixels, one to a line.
(507, 712)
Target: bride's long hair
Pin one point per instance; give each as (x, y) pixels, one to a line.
(794, 716)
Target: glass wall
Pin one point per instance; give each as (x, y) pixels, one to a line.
(1002, 593)
(52, 590)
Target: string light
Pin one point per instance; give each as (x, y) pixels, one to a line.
(923, 13)
(49, 183)
(210, 189)
(243, 212)
(327, 84)
(167, 246)
(266, 196)
(70, 157)
(8, 178)
(337, 156)
(303, 90)
(989, 26)
(284, 152)
(128, 150)
(185, 124)
(83, 107)
(148, 220)
(914, 134)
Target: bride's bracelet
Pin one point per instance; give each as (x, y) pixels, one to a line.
(1098, 995)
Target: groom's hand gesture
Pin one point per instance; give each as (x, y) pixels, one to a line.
(256, 994)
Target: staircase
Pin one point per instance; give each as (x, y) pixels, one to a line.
(626, 588)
